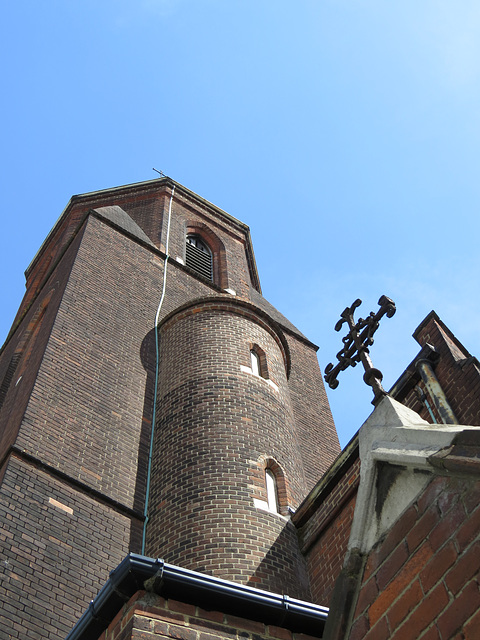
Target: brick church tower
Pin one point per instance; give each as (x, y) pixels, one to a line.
(151, 401)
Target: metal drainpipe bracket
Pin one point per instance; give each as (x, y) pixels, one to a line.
(93, 614)
(155, 583)
(285, 602)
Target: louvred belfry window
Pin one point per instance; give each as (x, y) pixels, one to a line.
(199, 257)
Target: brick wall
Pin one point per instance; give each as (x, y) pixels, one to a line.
(324, 521)
(99, 343)
(325, 559)
(22, 354)
(422, 580)
(92, 386)
(147, 616)
(147, 204)
(226, 241)
(54, 560)
(315, 427)
(456, 370)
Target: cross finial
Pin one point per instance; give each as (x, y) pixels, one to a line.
(356, 343)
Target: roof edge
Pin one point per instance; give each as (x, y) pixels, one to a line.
(229, 303)
(434, 316)
(159, 182)
(137, 572)
(345, 459)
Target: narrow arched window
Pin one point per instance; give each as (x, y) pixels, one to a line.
(258, 361)
(255, 362)
(272, 497)
(198, 256)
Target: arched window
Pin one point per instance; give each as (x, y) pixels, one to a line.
(258, 361)
(271, 491)
(198, 256)
(272, 496)
(255, 362)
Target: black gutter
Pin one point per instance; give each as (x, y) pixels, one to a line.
(200, 589)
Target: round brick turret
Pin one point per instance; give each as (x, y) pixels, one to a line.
(221, 422)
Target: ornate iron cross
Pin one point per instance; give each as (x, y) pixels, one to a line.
(356, 344)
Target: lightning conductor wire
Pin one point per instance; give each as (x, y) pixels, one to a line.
(157, 319)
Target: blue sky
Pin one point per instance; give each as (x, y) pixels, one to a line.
(345, 133)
